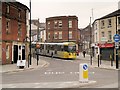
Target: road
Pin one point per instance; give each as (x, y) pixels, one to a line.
(59, 73)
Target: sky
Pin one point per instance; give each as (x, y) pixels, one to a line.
(83, 9)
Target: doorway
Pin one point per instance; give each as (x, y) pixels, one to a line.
(15, 53)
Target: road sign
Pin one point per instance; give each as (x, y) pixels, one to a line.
(116, 38)
(85, 67)
(83, 75)
(117, 45)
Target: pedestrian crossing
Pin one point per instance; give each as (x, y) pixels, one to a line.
(60, 73)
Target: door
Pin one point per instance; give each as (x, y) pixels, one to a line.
(15, 53)
(105, 53)
(23, 52)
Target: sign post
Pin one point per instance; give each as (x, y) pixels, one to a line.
(117, 39)
(83, 73)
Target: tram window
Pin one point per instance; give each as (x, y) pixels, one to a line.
(58, 47)
(51, 47)
(71, 48)
(65, 48)
(42, 46)
(62, 48)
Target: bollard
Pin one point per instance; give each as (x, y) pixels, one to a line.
(98, 60)
(83, 73)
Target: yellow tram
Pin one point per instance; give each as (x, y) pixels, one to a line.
(66, 50)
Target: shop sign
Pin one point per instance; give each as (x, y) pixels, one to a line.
(108, 45)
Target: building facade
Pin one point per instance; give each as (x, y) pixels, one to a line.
(38, 31)
(104, 30)
(85, 37)
(14, 31)
(62, 29)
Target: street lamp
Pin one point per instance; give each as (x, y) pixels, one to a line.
(90, 43)
(30, 35)
(117, 63)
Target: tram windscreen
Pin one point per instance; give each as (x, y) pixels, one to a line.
(71, 48)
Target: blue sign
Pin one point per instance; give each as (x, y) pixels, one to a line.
(85, 67)
(116, 38)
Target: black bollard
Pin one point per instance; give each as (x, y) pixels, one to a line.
(98, 60)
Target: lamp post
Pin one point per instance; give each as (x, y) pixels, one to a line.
(90, 43)
(30, 37)
(117, 63)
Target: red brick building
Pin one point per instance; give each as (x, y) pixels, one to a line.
(62, 29)
(14, 31)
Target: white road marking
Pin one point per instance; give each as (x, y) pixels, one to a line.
(48, 73)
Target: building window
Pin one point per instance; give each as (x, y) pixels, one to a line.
(119, 20)
(55, 24)
(60, 35)
(19, 13)
(19, 29)
(70, 24)
(48, 35)
(48, 24)
(60, 24)
(103, 34)
(7, 51)
(96, 26)
(55, 35)
(109, 35)
(7, 9)
(109, 23)
(70, 34)
(102, 24)
(96, 36)
(8, 26)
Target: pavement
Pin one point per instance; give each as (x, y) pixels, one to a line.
(103, 64)
(15, 68)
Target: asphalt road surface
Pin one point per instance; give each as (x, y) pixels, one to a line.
(62, 73)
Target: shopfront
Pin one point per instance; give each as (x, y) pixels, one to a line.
(106, 50)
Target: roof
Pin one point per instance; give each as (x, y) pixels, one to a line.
(115, 13)
(62, 17)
